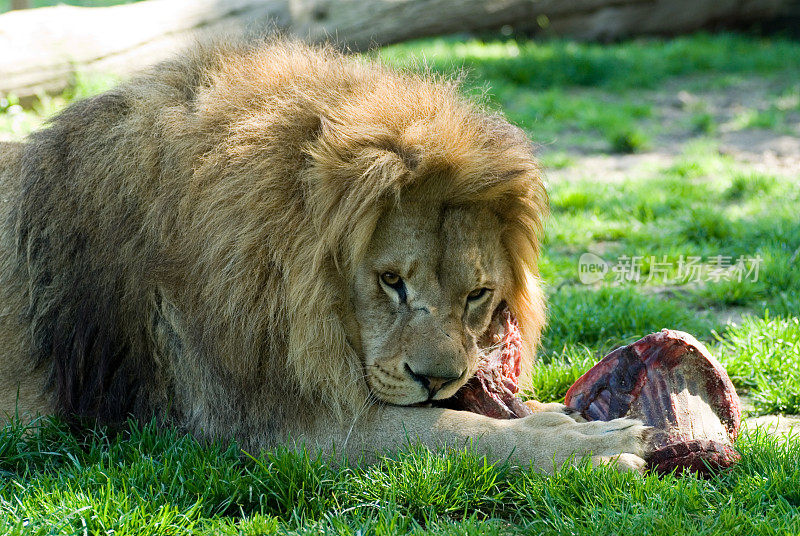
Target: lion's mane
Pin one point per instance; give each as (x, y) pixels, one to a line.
(185, 241)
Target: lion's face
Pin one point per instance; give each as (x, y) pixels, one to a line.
(423, 295)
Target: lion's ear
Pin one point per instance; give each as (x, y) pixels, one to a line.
(369, 144)
(385, 171)
(377, 182)
(356, 169)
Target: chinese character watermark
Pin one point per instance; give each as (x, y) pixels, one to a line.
(685, 269)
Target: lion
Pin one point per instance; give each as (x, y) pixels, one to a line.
(279, 244)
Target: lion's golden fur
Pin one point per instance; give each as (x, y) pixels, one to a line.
(181, 245)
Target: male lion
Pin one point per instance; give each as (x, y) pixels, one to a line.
(273, 243)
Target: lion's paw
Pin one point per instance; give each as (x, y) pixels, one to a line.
(620, 443)
(554, 437)
(609, 438)
(624, 462)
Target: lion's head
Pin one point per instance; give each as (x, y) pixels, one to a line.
(431, 210)
(424, 293)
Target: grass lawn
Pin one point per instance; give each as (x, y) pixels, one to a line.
(653, 158)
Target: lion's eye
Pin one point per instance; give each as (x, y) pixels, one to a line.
(395, 282)
(477, 294)
(390, 278)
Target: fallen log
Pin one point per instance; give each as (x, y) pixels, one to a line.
(41, 50)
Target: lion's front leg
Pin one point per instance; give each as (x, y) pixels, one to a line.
(547, 440)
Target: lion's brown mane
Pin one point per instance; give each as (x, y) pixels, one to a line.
(182, 244)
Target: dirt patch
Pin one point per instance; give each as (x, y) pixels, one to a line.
(764, 151)
(611, 168)
(784, 426)
(754, 121)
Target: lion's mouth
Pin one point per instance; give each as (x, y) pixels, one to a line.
(492, 390)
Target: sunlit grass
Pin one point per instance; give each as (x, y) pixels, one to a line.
(762, 356)
(633, 64)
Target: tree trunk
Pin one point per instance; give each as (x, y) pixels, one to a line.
(49, 45)
(363, 23)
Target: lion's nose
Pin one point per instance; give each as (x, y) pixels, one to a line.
(433, 384)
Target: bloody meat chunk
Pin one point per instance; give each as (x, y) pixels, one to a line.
(671, 382)
(666, 379)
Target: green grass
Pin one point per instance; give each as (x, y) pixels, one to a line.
(557, 371)
(156, 482)
(762, 356)
(611, 316)
(642, 63)
(600, 96)
(573, 99)
(702, 206)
